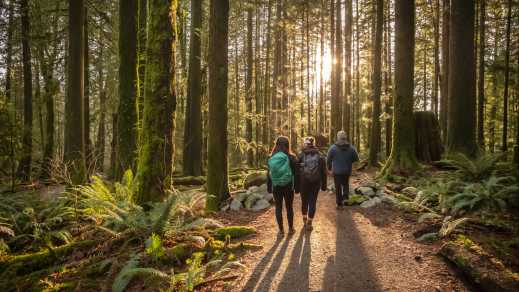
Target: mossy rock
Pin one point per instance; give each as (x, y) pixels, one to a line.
(234, 231)
(255, 179)
(355, 200)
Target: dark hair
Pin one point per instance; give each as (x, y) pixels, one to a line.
(282, 144)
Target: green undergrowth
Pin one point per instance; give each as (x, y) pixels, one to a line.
(95, 237)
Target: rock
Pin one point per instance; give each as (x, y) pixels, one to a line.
(389, 199)
(241, 196)
(251, 199)
(253, 189)
(260, 204)
(355, 200)
(262, 188)
(365, 191)
(410, 191)
(268, 197)
(235, 205)
(225, 207)
(379, 193)
(255, 179)
(371, 184)
(371, 203)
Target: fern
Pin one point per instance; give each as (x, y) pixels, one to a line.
(450, 225)
(125, 275)
(474, 169)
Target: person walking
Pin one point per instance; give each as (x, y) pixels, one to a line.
(313, 177)
(283, 181)
(339, 162)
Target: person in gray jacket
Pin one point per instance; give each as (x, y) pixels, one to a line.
(339, 161)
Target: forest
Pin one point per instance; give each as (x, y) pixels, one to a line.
(135, 135)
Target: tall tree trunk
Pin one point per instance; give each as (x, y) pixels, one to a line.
(403, 155)
(248, 90)
(141, 62)
(101, 130)
(24, 168)
(320, 117)
(155, 162)
(357, 79)
(389, 94)
(332, 133)
(346, 111)
(374, 144)
(308, 95)
(74, 153)
(257, 84)
(128, 80)
(9, 51)
(267, 85)
(424, 78)
(436, 80)
(336, 116)
(444, 81)
(481, 76)
(193, 126)
(504, 141)
(462, 90)
(217, 169)
(86, 97)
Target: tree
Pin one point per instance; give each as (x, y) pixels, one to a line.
(403, 157)
(504, 142)
(127, 113)
(217, 177)
(24, 169)
(481, 76)
(86, 93)
(461, 136)
(248, 89)
(193, 126)
(74, 120)
(336, 101)
(155, 159)
(444, 81)
(374, 144)
(346, 109)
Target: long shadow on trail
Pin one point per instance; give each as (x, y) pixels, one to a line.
(351, 269)
(255, 277)
(297, 273)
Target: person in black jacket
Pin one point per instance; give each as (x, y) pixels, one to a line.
(313, 178)
(283, 191)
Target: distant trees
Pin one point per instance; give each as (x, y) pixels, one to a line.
(192, 164)
(155, 159)
(217, 178)
(374, 143)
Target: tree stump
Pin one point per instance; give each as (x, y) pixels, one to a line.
(428, 145)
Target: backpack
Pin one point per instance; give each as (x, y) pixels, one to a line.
(279, 169)
(310, 167)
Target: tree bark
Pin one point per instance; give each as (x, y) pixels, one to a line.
(217, 169)
(336, 102)
(504, 141)
(24, 168)
(444, 81)
(86, 96)
(388, 76)
(248, 91)
(436, 80)
(193, 126)
(266, 119)
(428, 141)
(155, 162)
(74, 154)
(374, 145)
(481, 76)
(128, 90)
(346, 108)
(403, 158)
(462, 90)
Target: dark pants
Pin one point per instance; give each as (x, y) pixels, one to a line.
(342, 187)
(286, 193)
(309, 192)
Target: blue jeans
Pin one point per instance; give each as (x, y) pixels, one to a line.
(342, 188)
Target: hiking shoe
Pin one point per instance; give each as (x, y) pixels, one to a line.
(309, 226)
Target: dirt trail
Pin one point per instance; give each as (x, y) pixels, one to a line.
(353, 249)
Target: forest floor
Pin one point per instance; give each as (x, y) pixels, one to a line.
(353, 249)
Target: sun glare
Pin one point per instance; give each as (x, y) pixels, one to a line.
(326, 62)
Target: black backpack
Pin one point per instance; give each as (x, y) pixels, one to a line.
(310, 167)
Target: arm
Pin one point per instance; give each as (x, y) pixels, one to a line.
(329, 158)
(294, 164)
(355, 160)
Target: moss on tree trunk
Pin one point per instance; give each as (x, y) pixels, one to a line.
(155, 160)
(403, 159)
